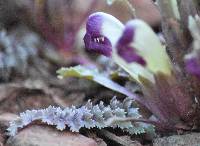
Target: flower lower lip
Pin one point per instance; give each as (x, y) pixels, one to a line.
(99, 39)
(98, 44)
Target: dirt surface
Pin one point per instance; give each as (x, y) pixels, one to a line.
(46, 136)
(192, 139)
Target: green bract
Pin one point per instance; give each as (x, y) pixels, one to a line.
(94, 75)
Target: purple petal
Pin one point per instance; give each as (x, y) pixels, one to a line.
(94, 23)
(193, 66)
(124, 49)
(98, 44)
(93, 39)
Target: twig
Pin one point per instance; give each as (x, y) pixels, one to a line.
(172, 33)
(112, 120)
(186, 8)
(117, 139)
(158, 125)
(131, 8)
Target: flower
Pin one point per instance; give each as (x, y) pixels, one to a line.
(135, 43)
(138, 50)
(102, 32)
(125, 50)
(192, 63)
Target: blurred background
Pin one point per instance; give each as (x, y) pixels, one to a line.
(39, 36)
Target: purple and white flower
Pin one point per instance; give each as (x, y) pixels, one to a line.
(135, 43)
(127, 52)
(103, 31)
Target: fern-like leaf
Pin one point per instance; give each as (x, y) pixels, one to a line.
(87, 116)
